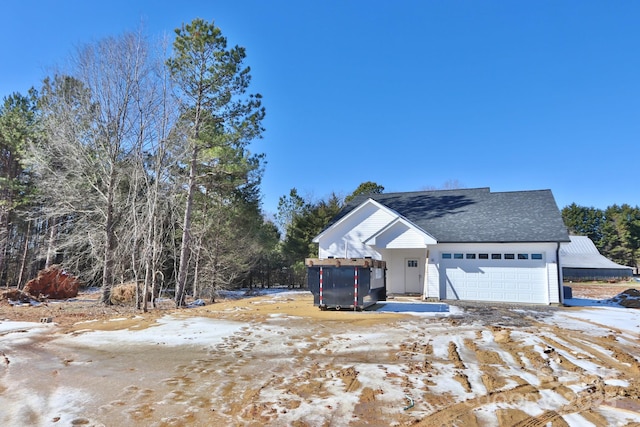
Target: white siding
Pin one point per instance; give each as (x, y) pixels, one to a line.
(346, 238)
(400, 236)
(508, 280)
(433, 276)
(554, 290)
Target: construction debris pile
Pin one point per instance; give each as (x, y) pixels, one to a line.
(629, 298)
(51, 283)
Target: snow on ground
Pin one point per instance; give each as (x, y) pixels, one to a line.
(605, 319)
(7, 326)
(287, 368)
(20, 332)
(169, 330)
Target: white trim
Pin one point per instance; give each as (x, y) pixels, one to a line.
(352, 213)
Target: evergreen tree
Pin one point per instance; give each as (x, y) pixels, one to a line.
(221, 117)
(365, 188)
(18, 127)
(621, 235)
(583, 221)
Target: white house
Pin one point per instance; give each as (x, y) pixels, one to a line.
(468, 244)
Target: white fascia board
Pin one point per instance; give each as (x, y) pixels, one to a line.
(352, 213)
(428, 238)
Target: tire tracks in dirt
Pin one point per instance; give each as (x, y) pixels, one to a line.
(558, 354)
(463, 411)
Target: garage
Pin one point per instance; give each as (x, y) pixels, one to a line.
(501, 280)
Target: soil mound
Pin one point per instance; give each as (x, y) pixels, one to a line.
(629, 298)
(53, 283)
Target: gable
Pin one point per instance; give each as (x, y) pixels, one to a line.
(374, 226)
(363, 221)
(400, 234)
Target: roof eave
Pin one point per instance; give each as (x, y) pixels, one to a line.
(503, 241)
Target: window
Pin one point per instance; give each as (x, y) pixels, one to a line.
(412, 263)
(446, 256)
(496, 256)
(483, 256)
(457, 256)
(536, 256)
(523, 256)
(509, 256)
(471, 256)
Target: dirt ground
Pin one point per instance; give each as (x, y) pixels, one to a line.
(291, 364)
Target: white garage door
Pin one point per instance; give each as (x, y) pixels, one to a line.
(494, 280)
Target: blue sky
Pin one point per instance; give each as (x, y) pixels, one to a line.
(511, 95)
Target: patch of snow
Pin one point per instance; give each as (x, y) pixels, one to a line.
(550, 399)
(573, 356)
(576, 420)
(623, 319)
(280, 315)
(617, 417)
(616, 382)
(169, 331)
(486, 415)
(86, 321)
(30, 303)
(11, 326)
(246, 292)
(41, 409)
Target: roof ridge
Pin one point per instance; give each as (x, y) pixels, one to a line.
(487, 189)
(522, 191)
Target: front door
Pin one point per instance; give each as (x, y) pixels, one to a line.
(412, 282)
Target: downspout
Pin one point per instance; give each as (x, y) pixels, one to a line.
(560, 284)
(425, 282)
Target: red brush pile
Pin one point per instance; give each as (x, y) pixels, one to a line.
(53, 283)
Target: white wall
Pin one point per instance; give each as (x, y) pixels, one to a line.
(548, 251)
(554, 289)
(345, 239)
(395, 259)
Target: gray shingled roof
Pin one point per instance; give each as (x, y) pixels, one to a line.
(477, 215)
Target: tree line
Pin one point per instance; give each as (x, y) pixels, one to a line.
(614, 230)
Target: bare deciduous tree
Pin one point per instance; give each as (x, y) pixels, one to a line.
(95, 121)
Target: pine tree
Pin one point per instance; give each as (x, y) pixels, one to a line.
(220, 117)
